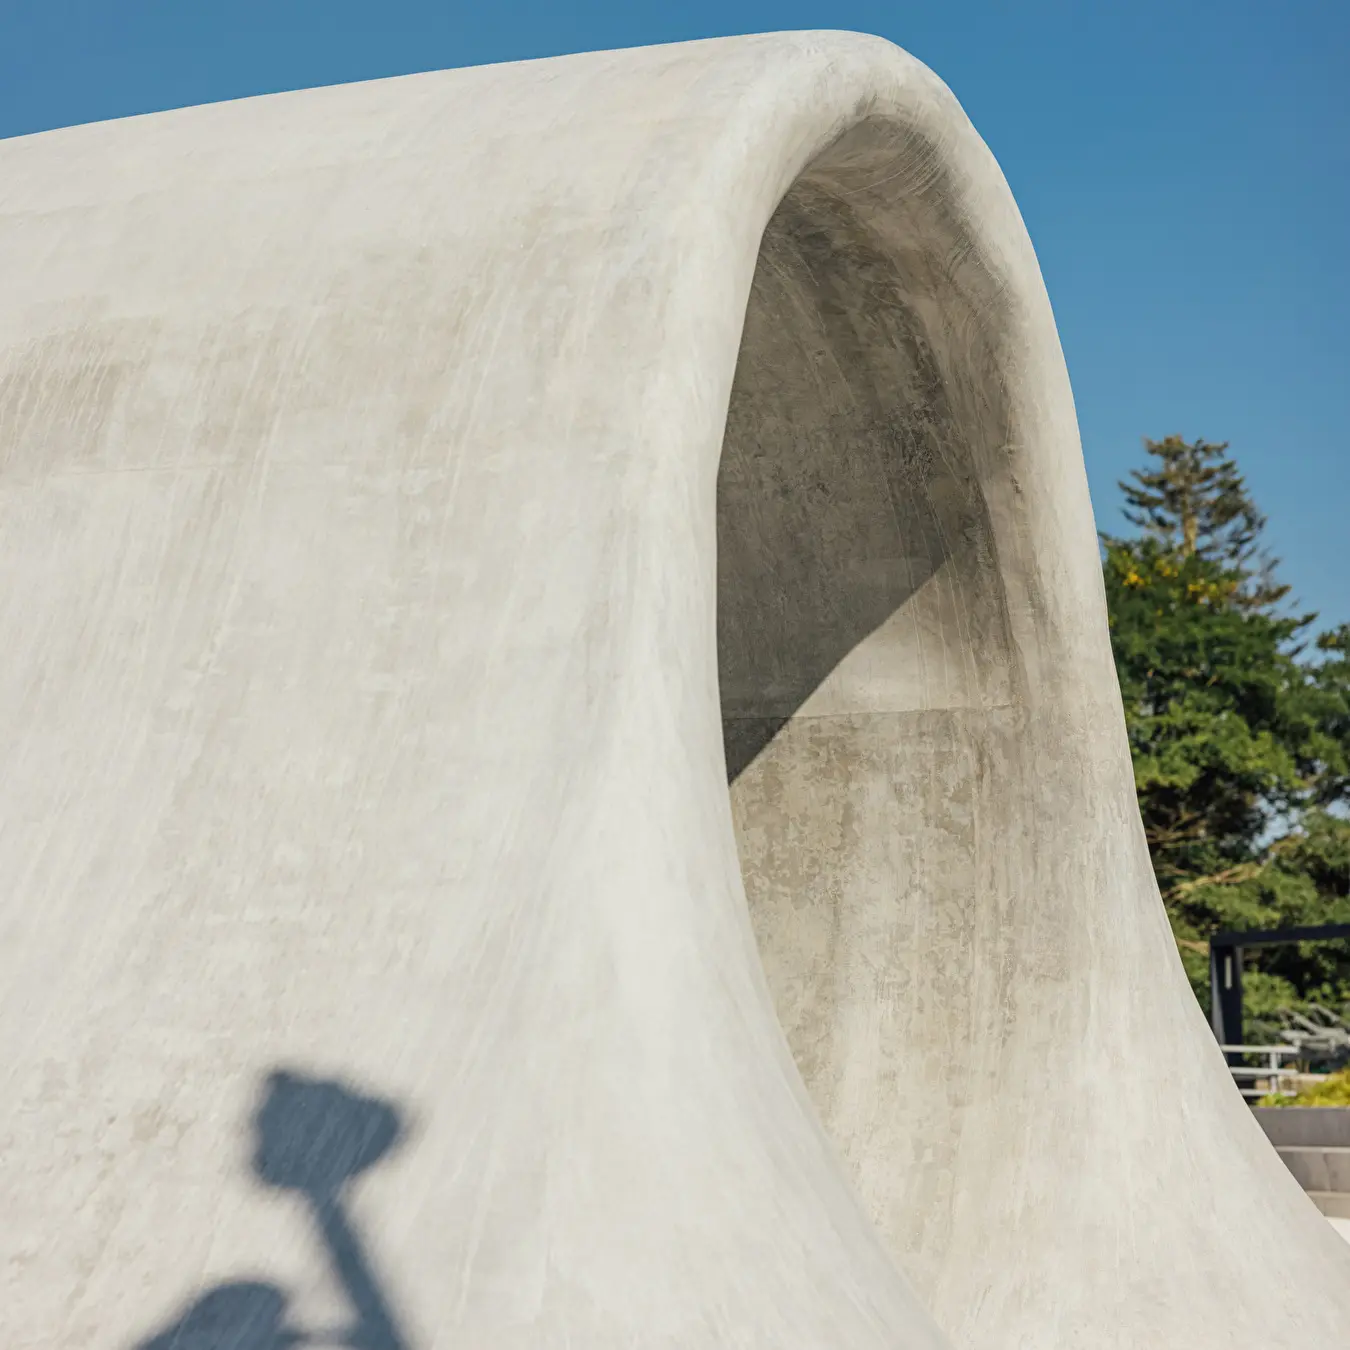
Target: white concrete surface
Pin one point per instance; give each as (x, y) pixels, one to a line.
(1342, 1226)
(375, 960)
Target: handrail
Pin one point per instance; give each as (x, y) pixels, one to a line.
(1273, 1071)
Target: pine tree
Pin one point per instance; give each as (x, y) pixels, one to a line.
(1195, 503)
(1241, 746)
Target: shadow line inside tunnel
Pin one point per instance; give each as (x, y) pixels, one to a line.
(846, 480)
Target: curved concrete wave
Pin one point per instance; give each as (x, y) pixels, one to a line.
(382, 632)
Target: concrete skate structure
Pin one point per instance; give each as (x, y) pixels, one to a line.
(418, 500)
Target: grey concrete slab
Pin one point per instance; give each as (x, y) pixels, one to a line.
(417, 500)
(1317, 1168)
(1297, 1126)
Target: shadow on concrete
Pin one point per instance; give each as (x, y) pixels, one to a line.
(837, 492)
(796, 592)
(312, 1137)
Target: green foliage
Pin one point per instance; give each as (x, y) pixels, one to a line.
(1240, 738)
(1334, 1091)
(1330, 706)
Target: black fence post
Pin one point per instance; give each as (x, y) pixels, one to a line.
(1225, 994)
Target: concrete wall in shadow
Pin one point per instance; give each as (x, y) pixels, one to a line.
(866, 669)
(848, 481)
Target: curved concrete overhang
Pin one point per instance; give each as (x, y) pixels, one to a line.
(418, 500)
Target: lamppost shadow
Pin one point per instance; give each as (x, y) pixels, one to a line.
(312, 1137)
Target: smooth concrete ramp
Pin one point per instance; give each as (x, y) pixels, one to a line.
(376, 965)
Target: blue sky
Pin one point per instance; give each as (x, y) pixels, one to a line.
(1183, 167)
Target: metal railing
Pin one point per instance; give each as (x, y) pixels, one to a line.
(1278, 1078)
(1225, 968)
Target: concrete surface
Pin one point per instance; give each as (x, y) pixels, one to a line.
(1305, 1126)
(1333, 1204)
(1319, 1169)
(375, 962)
(1313, 1142)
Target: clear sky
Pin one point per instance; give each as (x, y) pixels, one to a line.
(1183, 167)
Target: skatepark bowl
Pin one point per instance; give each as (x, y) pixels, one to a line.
(563, 778)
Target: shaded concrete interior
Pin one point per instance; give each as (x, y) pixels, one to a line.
(865, 662)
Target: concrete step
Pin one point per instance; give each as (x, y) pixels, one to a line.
(1318, 1168)
(1334, 1204)
(1305, 1126)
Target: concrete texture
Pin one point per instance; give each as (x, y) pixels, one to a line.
(1313, 1142)
(1319, 1169)
(1305, 1126)
(375, 962)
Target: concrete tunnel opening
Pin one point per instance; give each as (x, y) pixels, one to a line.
(864, 657)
